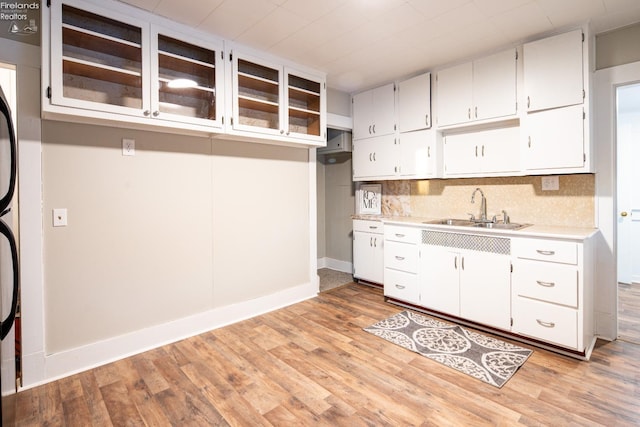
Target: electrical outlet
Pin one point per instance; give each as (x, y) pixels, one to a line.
(59, 217)
(128, 147)
(550, 183)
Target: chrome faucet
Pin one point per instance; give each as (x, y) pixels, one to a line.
(483, 204)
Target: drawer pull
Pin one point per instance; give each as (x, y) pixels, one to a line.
(373, 227)
(541, 252)
(545, 284)
(399, 235)
(399, 258)
(546, 324)
(400, 286)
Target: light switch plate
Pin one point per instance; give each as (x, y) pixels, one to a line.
(59, 217)
(550, 183)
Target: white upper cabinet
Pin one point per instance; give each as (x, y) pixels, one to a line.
(553, 71)
(99, 60)
(555, 140)
(414, 103)
(375, 158)
(106, 62)
(269, 99)
(374, 112)
(484, 89)
(111, 63)
(200, 64)
(419, 154)
(493, 152)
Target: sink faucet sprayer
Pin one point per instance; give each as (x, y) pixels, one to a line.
(483, 204)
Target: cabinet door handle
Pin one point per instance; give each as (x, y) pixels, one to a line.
(476, 112)
(374, 157)
(542, 252)
(374, 129)
(370, 157)
(369, 129)
(455, 263)
(469, 112)
(373, 227)
(483, 151)
(156, 113)
(371, 241)
(462, 263)
(529, 142)
(476, 151)
(399, 258)
(546, 284)
(429, 151)
(426, 119)
(375, 242)
(146, 112)
(399, 235)
(400, 286)
(546, 324)
(528, 102)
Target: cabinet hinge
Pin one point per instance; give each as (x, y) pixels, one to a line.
(582, 37)
(512, 268)
(511, 322)
(231, 56)
(584, 94)
(49, 92)
(516, 55)
(584, 115)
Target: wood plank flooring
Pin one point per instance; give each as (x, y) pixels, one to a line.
(629, 312)
(311, 364)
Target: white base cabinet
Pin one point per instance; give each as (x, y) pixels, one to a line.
(552, 292)
(401, 255)
(368, 251)
(467, 276)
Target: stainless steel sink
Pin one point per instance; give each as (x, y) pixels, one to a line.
(501, 226)
(450, 221)
(469, 223)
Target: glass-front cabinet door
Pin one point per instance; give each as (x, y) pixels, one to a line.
(257, 96)
(99, 61)
(187, 79)
(305, 104)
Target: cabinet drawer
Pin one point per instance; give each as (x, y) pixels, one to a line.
(399, 233)
(401, 256)
(546, 322)
(368, 226)
(551, 282)
(546, 250)
(401, 285)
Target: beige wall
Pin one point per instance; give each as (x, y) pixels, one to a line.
(186, 225)
(617, 47)
(522, 197)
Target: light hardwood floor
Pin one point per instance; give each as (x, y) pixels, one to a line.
(629, 312)
(312, 364)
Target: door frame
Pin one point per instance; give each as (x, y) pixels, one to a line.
(606, 82)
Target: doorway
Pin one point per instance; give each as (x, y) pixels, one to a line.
(628, 209)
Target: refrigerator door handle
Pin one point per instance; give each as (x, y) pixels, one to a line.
(8, 322)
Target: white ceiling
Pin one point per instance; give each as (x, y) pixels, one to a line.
(364, 43)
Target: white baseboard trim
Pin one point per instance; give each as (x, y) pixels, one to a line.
(60, 365)
(335, 264)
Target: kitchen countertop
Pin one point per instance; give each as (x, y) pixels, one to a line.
(549, 231)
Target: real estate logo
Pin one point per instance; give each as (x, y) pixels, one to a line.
(20, 21)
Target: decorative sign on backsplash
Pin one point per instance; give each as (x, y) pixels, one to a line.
(370, 199)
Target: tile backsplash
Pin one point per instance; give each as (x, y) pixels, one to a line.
(573, 204)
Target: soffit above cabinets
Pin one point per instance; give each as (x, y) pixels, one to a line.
(363, 43)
